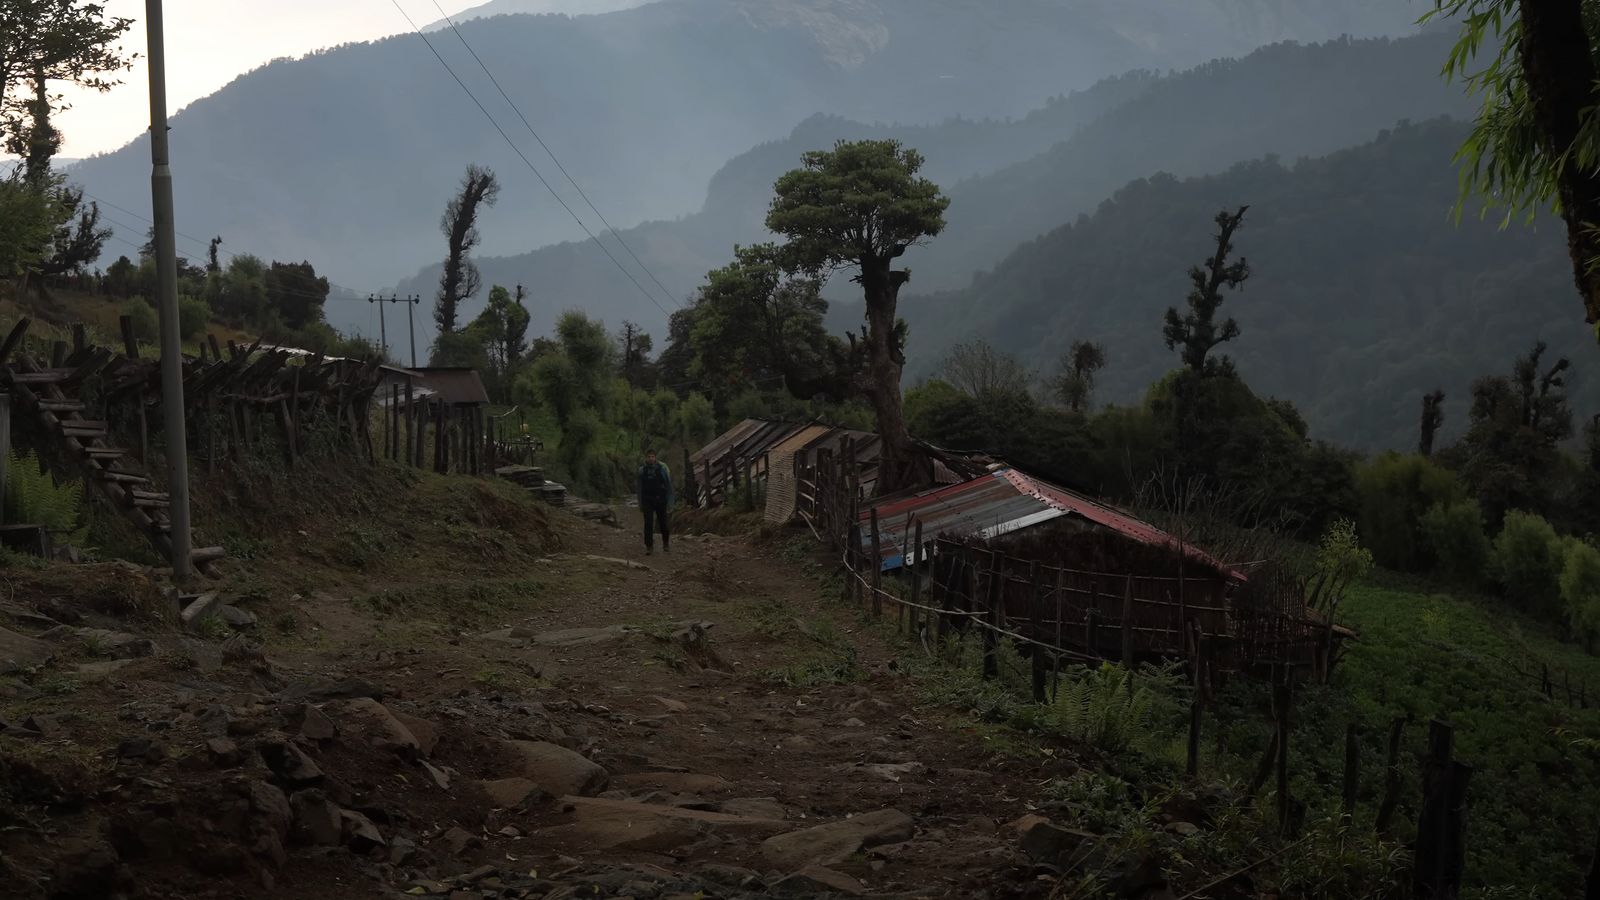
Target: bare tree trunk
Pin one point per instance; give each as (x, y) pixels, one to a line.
(885, 362)
(1560, 74)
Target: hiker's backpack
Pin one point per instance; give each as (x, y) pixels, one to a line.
(652, 482)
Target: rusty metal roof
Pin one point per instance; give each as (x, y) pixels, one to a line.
(723, 441)
(1000, 503)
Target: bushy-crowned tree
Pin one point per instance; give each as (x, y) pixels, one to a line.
(296, 293)
(52, 41)
(1074, 384)
(862, 205)
(1509, 454)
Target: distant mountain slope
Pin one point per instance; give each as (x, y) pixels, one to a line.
(1290, 99)
(538, 8)
(1363, 295)
(347, 157)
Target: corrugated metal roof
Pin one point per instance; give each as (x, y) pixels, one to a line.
(1000, 503)
(723, 441)
(454, 384)
(780, 472)
(1117, 520)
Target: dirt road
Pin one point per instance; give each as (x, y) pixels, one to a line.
(590, 722)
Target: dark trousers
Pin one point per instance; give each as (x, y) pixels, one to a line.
(655, 516)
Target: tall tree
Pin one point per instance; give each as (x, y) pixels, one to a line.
(1075, 384)
(460, 226)
(755, 323)
(77, 242)
(862, 205)
(980, 371)
(1432, 418)
(1509, 454)
(213, 266)
(296, 292)
(1536, 141)
(43, 41)
(635, 346)
(1197, 332)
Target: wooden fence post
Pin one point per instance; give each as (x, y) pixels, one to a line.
(1391, 777)
(1352, 771)
(920, 559)
(1282, 699)
(1196, 712)
(1127, 626)
(1055, 657)
(5, 448)
(1036, 650)
(1441, 828)
(991, 660)
(877, 566)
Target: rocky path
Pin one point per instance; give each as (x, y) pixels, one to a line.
(698, 725)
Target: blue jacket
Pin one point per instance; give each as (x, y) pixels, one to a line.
(666, 477)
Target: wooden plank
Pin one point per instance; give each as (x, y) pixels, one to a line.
(45, 377)
(130, 342)
(82, 426)
(58, 354)
(80, 337)
(5, 447)
(14, 338)
(61, 406)
(105, 452)
(122, 477)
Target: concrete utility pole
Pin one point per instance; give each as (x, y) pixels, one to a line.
(411, 304)
(167, 300)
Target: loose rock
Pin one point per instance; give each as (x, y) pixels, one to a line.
(835, 842)
(558, 770)
(290, 764)
(814, 880)
(359, 832)
(317, 820)
(315, 724)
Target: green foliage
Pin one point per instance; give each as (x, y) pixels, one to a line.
(697, 420)
(34, 498)
(1580, 590)
(1197, 332)
(978, 370)
(462, 348)
(858, 202)
(1112, 708)
(1396, 491)
(146, 324)
(1340, 556)
(1509, 454)
(193, 316)
(1455, 538)
(1527, 563)
(28, 218)
(1531, 831)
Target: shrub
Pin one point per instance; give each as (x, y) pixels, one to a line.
(1580, 591)
(697, 420)
(193, 315)
(1528, 560)
(1396, 492)
(145, 323)
(1111, 708)
(1456, 540)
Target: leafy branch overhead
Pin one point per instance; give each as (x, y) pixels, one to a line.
(1536, 141)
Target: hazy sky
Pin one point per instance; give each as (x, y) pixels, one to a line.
(210, 42)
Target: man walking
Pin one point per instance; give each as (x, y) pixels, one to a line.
(655, 499)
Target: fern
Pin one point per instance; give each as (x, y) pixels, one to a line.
(1109, 707)
(33, 497)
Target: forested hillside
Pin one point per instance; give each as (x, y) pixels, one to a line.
(1011, 181)
(349, 154)
(1362, 297)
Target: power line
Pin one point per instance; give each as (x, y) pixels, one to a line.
(529, 163)
(553, 158)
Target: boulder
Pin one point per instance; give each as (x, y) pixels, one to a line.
(116, 644)
(426, 734)
(315, 724)
(224, 752)
(94, 672)
(317, 821)
(290, 764)
(753, 807)
(459, 840)
(383, 729)
(509, 793)
(18, 652)
(271, 808)
(359, 833)
(558, 770)
(236, 617)
(625, 825)
(835, 842)
(813, 881)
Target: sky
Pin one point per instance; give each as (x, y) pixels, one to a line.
(211, 42)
